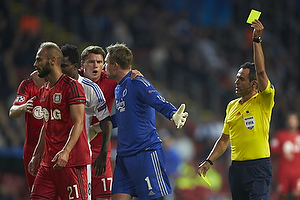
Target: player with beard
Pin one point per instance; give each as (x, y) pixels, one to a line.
(62, 150)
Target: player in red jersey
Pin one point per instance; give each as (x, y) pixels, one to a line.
(92, 61)
(286, 147)
(63, 144)
(27, 102)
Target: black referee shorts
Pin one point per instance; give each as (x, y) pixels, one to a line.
(250, 179)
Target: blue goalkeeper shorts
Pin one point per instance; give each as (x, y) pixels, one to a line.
(142, 175)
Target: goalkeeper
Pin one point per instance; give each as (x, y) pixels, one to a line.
(140, 166)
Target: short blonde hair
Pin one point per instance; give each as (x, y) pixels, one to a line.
(121, 54)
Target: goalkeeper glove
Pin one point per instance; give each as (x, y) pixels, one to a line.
(94, 130)
(180, 116)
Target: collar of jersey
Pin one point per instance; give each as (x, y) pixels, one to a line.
(125, 77)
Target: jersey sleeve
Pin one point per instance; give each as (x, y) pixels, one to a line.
(76, 94)
(99, 103)
(267, 99)
(226, 126)
(148, 94)
(22, 94)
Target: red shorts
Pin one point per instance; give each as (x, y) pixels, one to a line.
(67, 183)
(288, 181)
(101, 185)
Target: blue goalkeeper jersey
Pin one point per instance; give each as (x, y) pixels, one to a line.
(136, 102)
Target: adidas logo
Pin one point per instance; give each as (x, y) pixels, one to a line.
(151, 193)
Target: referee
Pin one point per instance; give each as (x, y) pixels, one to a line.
(246, 128)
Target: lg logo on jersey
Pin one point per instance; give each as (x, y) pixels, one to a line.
(53, 114)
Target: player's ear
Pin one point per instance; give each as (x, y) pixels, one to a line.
(255, 84)
(53, 60)
(116, 65)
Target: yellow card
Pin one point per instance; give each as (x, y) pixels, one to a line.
(206, 179)
(254, 14)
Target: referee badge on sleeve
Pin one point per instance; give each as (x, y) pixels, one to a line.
(249, 122)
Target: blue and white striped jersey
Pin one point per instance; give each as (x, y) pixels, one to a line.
(95, 101)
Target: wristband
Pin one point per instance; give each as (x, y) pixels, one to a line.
(210, 162)
(257, 39)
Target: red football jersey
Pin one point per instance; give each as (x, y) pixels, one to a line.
(287, 146)
(56, 102)
(34, 121)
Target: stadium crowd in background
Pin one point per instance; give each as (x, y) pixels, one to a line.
(188, 49)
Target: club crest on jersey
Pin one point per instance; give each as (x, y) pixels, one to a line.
(249, 122)
(20, 99)
(57, 97)
(124, 92)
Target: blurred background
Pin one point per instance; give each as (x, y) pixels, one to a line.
(189, 49)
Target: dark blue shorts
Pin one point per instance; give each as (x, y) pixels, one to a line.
(250, 179)
(142, 175)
